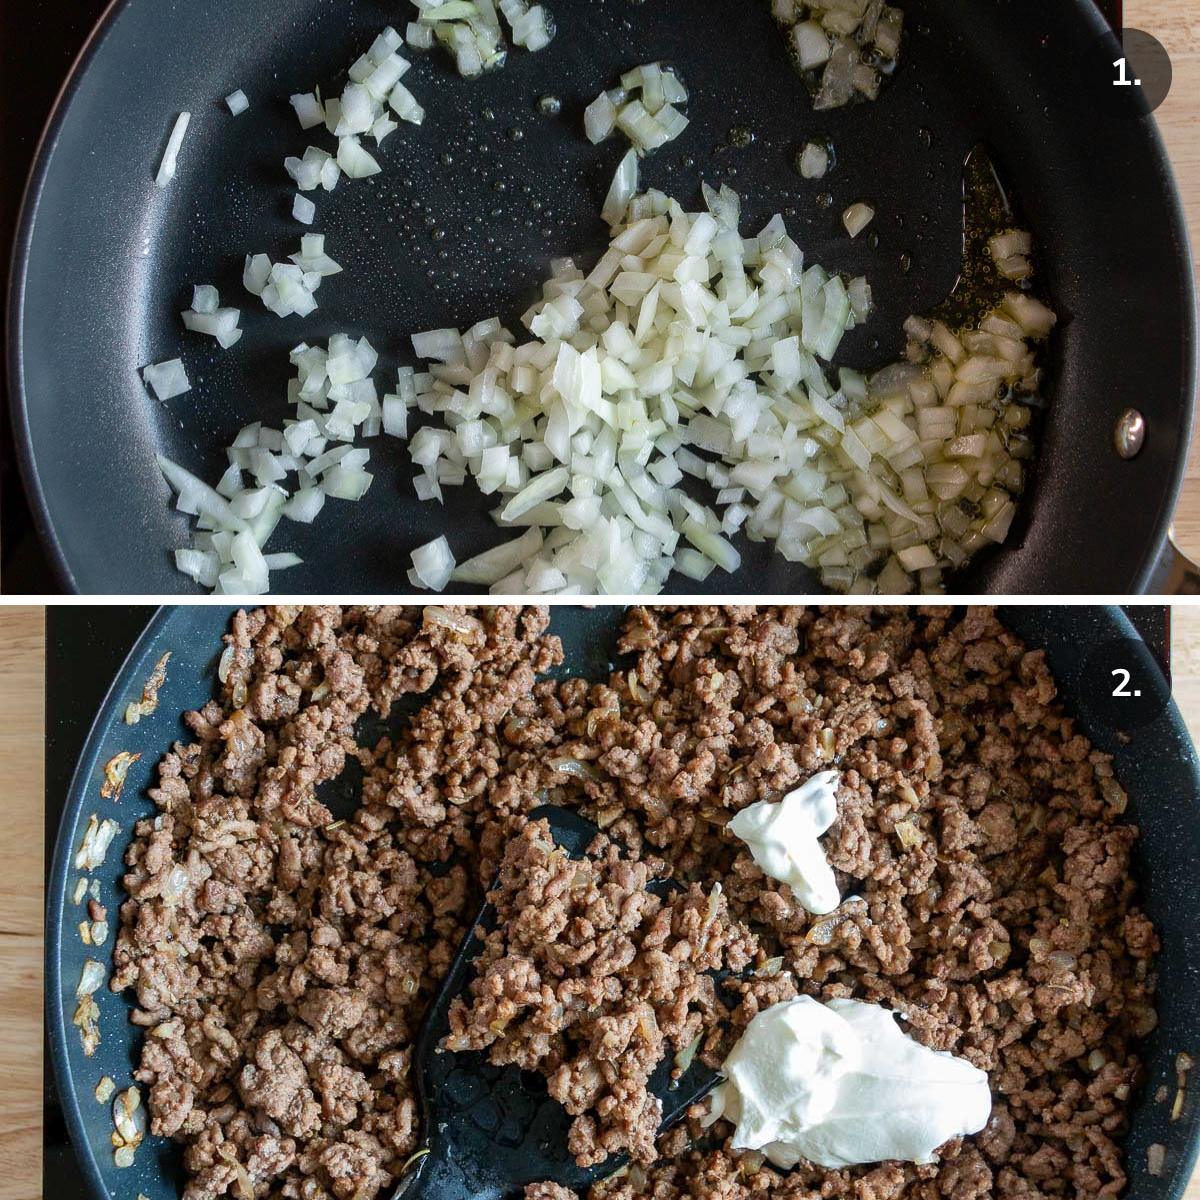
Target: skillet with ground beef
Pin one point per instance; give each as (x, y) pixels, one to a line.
(280, 960)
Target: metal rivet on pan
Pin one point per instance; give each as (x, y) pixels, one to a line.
(1130, 434)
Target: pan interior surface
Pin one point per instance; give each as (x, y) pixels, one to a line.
(471, 207)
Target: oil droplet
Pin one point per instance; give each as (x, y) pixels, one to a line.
(550, 106)
(489, 114)
(926, 137)
(447, 158)
(740, 137)
(439, 235)
(516, 135)
(500, 186)
(687, 162)
(906, 262)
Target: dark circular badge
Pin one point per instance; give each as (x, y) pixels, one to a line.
(1122, 686)
(1127, 77)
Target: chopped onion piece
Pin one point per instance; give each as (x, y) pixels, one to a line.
(434, 564)
(304, 210)
(355, 162)
(599, 118)
(493, 565)
(170, 159)
(649, 121)
(167, 379)
(309, 110)
(207, 501)
(814, 161)
(207, 317)
(857, 217)
(811, 44)
(622, 190)
(205, 298)
(842, 47)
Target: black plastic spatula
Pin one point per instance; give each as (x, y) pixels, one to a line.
(491, 1130)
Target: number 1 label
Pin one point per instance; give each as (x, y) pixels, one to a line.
(1122, 79)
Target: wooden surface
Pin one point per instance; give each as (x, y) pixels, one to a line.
(1185, 673)
(1176, 23)
(22, 646)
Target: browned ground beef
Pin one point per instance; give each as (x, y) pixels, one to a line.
(593, 980)
(281, 961)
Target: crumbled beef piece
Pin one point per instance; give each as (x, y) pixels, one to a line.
(549, 1191)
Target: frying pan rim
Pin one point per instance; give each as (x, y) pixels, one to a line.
(109, 709)
(18, 400)
(26, 226)
(56, 895)
(1188, 300)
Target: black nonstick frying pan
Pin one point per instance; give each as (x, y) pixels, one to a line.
(1156, 764)
(105, 260)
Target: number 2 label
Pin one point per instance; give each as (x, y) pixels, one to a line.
(1122, 688)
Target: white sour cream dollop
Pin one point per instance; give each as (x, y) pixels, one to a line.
(839, 1084)
(783, 840)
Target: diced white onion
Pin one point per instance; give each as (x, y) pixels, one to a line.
(622, 190)
(692, 350)
(599, 118)
(649, 120)
(304, 210)
(167, 379)
(434, 564)
(309, 110)
(170, 159)
(814, 161)
(857, 217)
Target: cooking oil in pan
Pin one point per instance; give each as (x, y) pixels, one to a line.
(987, 211)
